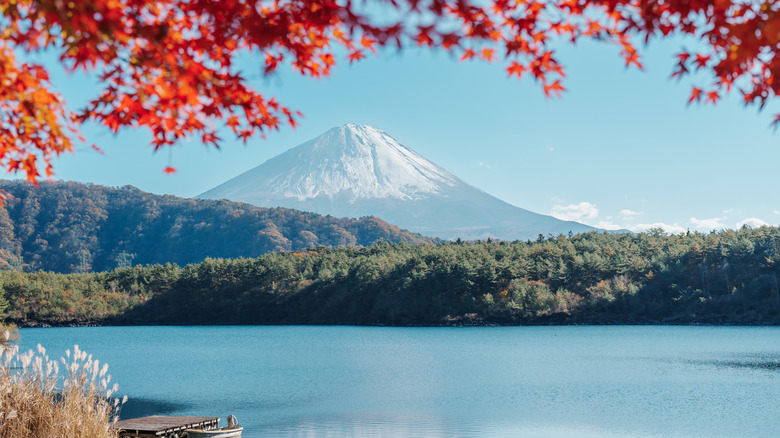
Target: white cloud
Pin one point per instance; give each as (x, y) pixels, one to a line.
(609, 225)
(713, 223)
(575, 212)
(776, 212)
(752, 222)
(670, 229)
(730, 210)
(629, 213)
(550, 148)
(485, 165)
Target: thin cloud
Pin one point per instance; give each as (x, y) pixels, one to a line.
(713, 223)
(575, 212)
(609, 225)
(629, 213)
(669, 229)
(752, 222)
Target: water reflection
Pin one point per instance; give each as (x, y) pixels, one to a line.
(418, 426)
(760, 362)
(772, 365)
(142, 407)
(531, 382)
(365, 426)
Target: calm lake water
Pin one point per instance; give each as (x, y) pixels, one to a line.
(295, 381)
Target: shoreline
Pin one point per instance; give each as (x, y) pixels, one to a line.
(40, 324)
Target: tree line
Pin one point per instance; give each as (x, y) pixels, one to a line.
(721, 278)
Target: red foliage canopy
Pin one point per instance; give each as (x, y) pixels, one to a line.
(168, 65)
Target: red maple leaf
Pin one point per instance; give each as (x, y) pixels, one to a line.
(168, 67)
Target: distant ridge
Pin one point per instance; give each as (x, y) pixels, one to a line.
(356, 170)
(75, 227)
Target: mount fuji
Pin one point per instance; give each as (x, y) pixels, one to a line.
(356, 171)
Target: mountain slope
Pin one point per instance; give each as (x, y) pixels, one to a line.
(355, 170)
(74, 227)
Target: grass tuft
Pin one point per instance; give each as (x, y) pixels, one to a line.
(36, 400)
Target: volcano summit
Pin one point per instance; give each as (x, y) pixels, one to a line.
(356, 171)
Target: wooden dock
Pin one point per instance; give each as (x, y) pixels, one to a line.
(162, 426)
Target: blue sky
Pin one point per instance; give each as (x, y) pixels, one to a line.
(620, 149)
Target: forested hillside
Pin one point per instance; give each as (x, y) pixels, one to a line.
(724, 277)
(74, 227)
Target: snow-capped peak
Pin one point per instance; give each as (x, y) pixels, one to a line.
(356, 170)
(353, 162)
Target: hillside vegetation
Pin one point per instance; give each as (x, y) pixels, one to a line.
(723, 277)
(74, 227)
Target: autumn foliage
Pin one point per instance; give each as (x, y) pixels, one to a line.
(169, 66)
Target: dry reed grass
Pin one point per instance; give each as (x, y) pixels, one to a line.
(37, 402)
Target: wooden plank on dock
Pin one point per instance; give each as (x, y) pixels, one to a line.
(162, 425)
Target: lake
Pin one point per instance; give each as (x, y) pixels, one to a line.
(314, 381)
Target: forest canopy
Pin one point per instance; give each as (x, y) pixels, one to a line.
(727, 277)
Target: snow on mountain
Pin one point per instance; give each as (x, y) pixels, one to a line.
(360, 160)
(356, 171)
